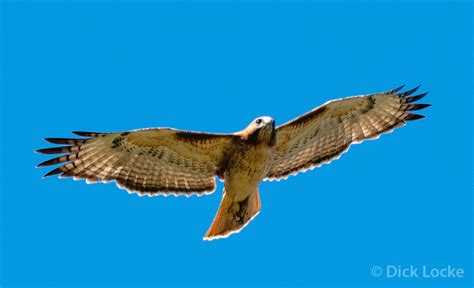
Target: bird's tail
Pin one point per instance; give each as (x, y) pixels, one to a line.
(233, 216)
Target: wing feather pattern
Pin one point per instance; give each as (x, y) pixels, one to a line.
(147, 162)
(323, 134)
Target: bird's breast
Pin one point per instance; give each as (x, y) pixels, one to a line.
(246, 168)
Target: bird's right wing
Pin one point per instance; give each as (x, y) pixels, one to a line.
(324, 133)
(149, 161)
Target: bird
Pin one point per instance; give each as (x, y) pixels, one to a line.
(166, 161)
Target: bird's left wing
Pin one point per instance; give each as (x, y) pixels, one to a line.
(324, 133)
(148, 161)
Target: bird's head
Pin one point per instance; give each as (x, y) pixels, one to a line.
(260, 130)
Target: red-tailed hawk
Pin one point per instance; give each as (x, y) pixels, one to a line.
(163, 161)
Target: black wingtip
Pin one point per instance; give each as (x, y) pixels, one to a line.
(409, 92)
(54, 161)
(45, 163)
(54, 150)
(412, 117)
(393, 91)
(53, 172)
(69, 141)
(415, 97)
(56, 140)
(86, 134)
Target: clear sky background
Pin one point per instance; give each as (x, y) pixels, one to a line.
(405, 199)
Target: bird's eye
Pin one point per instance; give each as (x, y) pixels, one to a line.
(259, 121)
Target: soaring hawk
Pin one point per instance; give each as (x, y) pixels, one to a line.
(163, 161)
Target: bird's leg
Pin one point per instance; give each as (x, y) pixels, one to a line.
(239, 210)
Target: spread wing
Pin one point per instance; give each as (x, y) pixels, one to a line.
(326, 132)
(149, 161)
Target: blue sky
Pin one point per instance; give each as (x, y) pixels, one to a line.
(403, 200)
